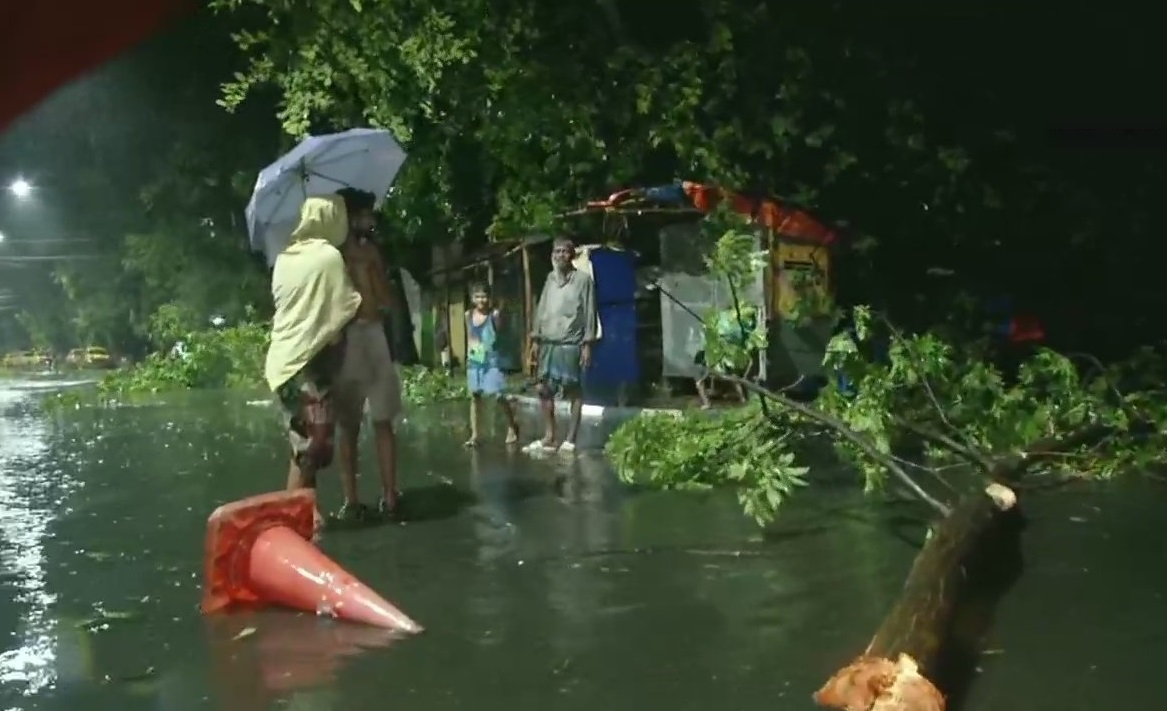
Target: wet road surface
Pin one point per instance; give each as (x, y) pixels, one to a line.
(543, 583)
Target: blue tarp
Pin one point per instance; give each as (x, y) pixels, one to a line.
(667, 194)
(615, 360)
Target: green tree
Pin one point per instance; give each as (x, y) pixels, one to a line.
(512, 112)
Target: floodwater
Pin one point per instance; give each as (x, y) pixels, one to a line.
(542, 583)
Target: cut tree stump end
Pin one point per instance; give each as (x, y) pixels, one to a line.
(920, 626)
(1003, 497)
(877, 684)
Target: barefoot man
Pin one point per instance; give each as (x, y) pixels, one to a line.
(563, 333)
(369, 374)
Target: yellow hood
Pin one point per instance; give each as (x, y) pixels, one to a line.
(313, 295)
(322, 218)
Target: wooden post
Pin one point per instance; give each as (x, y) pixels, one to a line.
(528, 309)
(499, 302)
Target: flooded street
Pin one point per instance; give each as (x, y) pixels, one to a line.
(542, 583)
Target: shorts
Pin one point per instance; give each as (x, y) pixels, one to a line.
(306, 403)
(368, 376)
(559, 364)
(485, 380)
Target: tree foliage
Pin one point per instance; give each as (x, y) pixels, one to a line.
(514, 110)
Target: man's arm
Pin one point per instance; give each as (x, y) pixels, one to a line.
(381, 288)
(589, 311)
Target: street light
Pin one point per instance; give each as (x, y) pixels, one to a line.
(20, 187)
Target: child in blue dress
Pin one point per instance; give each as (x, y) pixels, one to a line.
(483, 374)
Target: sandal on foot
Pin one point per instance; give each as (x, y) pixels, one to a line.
(542, 447)
(352, 513)
(470, 443)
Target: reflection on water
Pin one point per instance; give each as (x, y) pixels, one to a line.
(31, 494)
(542, 583)
(259, 658)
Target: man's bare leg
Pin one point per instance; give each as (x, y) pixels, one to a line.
(304, 478)
(547, 405)
(299, 478)
(349, 436)
(508, 411)
(702, 393)
(575, 393)
(475, 416)
(386, 440)
(751, 374)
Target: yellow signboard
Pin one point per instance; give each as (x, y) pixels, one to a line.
(799, 273)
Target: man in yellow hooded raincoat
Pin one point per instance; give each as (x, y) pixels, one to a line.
(314, 302)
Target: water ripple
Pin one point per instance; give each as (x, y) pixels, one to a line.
(30, 495)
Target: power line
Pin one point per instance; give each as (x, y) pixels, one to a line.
(48, 257)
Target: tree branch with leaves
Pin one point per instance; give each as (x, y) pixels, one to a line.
(929, 404)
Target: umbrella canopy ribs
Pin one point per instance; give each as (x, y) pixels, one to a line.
(367, 159)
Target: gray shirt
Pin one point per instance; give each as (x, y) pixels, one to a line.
(567, 309)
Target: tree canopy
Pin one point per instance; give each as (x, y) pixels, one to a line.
(928, 135)
(905, 125)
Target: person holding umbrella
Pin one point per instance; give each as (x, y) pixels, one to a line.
(369, 374)
(357, 166)
(314, 303)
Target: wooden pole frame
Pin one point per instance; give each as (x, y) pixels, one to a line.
(528, 309)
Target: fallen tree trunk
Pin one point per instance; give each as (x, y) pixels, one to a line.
(930, 641)
(933, 633)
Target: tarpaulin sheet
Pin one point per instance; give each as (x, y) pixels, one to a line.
(614, 360)
(411, 318)
(686, 280)
(682, 334)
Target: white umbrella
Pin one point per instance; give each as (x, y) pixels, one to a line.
(363, 158)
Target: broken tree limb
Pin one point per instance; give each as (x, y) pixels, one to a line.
(901, 667)
(974, 457)
(1011, 468)
(929, 642)
(843, 431)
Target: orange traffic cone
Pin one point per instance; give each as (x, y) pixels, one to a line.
(258, 552)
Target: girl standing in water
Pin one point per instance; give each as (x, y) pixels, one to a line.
(483, 374)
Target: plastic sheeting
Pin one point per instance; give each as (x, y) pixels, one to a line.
(404, 318)
(615, 360)
(416, 308)
(583, 263)
(686, 281)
